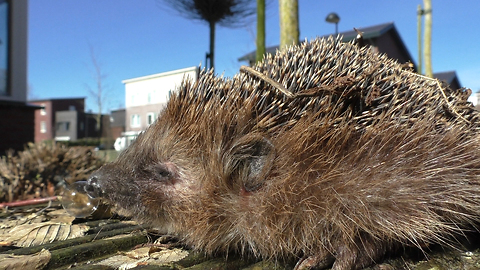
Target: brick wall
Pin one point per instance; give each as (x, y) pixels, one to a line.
(17, 124)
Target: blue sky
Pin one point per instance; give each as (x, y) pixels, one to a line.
(138, 38)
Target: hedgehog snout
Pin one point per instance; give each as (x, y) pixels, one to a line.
(93, 186)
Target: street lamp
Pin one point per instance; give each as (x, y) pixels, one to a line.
(333, 18)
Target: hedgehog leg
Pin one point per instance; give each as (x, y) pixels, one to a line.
(319, 261)
(349, 255)
(359, 254)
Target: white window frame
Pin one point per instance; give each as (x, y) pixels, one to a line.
(43, 127)
(43, 111)
(135, 120)
(150, 118)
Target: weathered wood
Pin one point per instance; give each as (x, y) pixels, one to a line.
(222, 263)
(153, 267)
(266, 265)
(87, 251)
(94, 267)
(192, 259)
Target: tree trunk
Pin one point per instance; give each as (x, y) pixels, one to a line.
(260, 30)
(427, 53)
(289, 31)
(212, 44)
(419, 39)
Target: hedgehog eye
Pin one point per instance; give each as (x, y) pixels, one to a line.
(160, 171)
(164, 173)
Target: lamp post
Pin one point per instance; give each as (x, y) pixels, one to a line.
(333, 18)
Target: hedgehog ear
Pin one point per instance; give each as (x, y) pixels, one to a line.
(252, 159)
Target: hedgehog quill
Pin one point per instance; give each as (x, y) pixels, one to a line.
(325, 152)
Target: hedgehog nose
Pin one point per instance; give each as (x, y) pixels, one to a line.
(92, 187)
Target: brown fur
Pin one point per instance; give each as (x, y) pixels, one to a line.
(361, 157)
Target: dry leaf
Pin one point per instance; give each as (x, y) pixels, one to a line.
(58, 213)
(122, 262)
(27, 235)
(141, 256)
(138, 253)
(66, 219)
(17, 220)
(26, 262)
(169, 255)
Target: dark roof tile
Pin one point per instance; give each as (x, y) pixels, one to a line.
(367, 32)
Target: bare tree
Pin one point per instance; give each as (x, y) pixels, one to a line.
(228, 13)
(98, 92)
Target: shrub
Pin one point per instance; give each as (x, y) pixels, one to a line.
(41, 169)
(106, 143)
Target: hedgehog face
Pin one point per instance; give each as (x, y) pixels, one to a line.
(142, 182)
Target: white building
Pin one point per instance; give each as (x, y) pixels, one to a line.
(146, 96)
(475, 98)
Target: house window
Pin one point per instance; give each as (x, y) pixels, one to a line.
(63, 126)
(43, 111)
(71, 108)
(4, 6)
(43, 127)
(135, 120)
(150, 118)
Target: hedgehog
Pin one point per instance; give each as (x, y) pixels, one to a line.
(326, 153)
